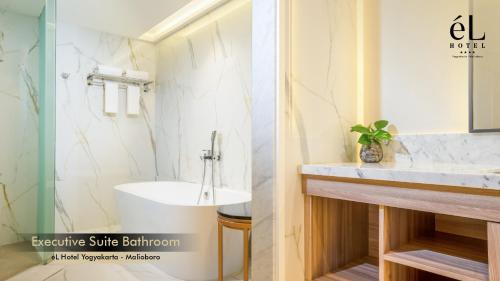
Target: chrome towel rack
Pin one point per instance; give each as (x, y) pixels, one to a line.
(97, 79)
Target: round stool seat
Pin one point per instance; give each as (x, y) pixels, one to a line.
(242, 211)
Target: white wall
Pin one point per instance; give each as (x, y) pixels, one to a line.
(204, 84)
(19, 125)
(95, 151)
(410, 76)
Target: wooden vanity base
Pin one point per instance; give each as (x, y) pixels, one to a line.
(365, 232)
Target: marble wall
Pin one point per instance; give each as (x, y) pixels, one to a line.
(265, 97)
(321, 105)
(204, 84)
(19, 125)
(96, 151)
(459, 149)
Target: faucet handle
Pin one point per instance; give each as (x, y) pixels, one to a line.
(206, 154)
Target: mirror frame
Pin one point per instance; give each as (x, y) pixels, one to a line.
(471, 103)
(471, 92)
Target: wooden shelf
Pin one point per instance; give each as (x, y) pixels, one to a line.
(360, 272)
(447, 255)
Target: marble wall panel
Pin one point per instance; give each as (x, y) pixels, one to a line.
(96, 151)
(458, 149)
(18, 124)
(264, 139)
(204, 84)
(321, 105)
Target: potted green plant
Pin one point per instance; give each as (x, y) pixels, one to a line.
(372, 136)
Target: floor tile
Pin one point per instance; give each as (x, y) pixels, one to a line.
(101, 272)
(15, 258)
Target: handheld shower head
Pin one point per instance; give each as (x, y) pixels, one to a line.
(211, 156)
(214, 134)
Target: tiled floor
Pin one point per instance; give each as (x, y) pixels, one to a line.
(104, 272)
(15, 258)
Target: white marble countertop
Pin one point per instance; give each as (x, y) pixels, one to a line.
(473, 176)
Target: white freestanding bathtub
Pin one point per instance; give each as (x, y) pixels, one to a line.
(171, 207)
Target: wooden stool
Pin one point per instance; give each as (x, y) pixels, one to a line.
(237, 216)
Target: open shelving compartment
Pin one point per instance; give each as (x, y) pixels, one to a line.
(416, 244)
(344, 244)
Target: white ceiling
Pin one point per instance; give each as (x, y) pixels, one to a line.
(24, 7)
(130, 18)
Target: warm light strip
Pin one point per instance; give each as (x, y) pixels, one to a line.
(212, 16)
(360, 87)
(190, 12)
(360, 66)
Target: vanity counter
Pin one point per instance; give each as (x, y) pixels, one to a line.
(471, 176)
(430, 222)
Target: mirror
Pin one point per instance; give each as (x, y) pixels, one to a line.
(484, 69)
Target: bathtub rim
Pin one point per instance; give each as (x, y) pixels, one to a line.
(243, 195)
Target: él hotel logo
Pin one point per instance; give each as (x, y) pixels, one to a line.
(466, 42)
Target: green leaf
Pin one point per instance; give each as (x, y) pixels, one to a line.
(360, 129)
(364, 139)
(380, 124)
(382, 134)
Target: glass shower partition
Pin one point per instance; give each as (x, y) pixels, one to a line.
(47, 121)
(27, 126)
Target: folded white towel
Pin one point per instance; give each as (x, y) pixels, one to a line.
(138, 74)
(109, 70)
(133, 100)
(110, 97)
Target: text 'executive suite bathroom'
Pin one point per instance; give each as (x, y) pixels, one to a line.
(265, 140)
